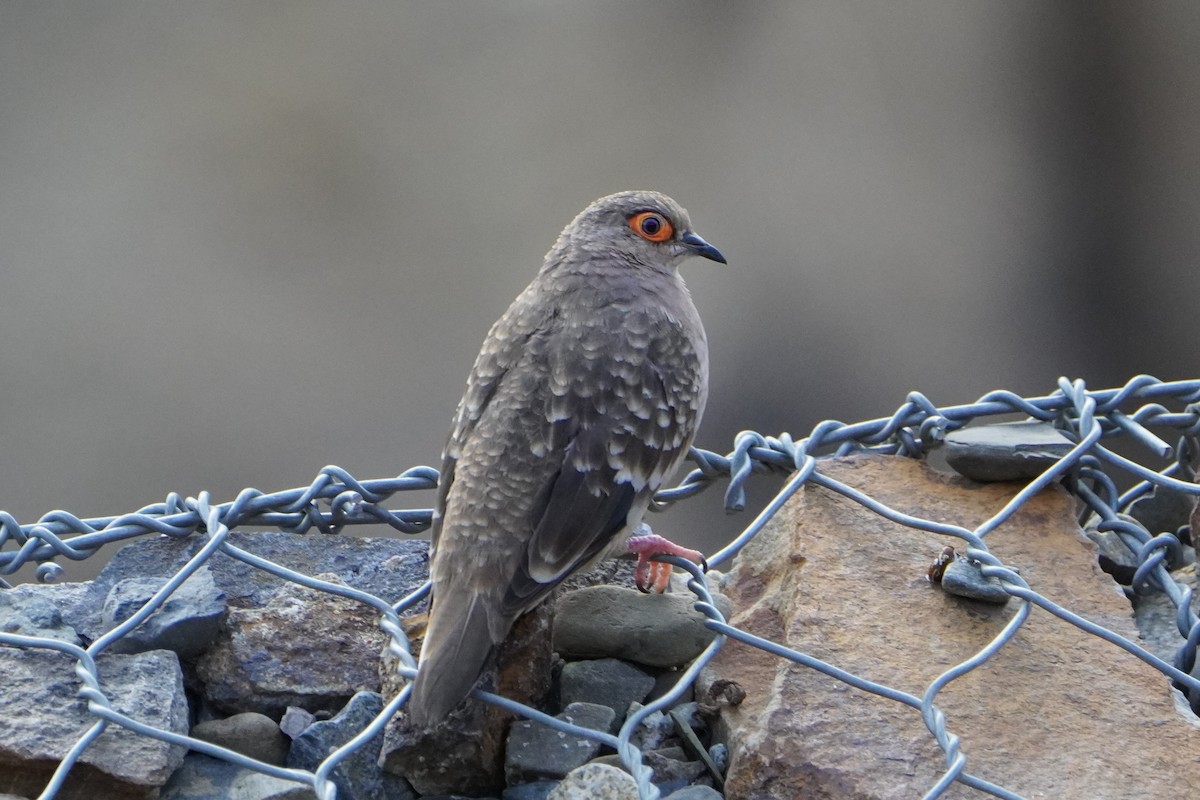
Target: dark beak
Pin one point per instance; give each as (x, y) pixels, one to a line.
(701, 247)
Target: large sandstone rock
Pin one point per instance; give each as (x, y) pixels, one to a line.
(1057, 713)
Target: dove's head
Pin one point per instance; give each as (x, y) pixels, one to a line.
(647, 229)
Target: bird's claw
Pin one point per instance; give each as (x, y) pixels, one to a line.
(655, 575)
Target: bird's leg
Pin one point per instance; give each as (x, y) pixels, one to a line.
(656, 575)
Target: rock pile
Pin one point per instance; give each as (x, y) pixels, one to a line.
(285, 674)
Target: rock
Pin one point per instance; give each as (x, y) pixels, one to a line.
(466, 752)
(307, 648)
(205, 778)
(654, 732)
(596, 782)
(42, 717)
(537, 790)
(250, 734)
(964, 578)
(295, 721)
(840, 583)
(537, 751)
(657, 630)
(31, 611)
(386, 568)
(359, 776)
(186, 623)
(665, 682)
(670, 767)
(604, 681)
(1114, 555)
(695, 793)
(1005, 451)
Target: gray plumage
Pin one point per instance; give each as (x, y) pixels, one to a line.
(585, 396)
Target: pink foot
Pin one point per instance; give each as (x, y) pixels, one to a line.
(659, 573)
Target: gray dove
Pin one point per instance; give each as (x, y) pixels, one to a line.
(584, 398)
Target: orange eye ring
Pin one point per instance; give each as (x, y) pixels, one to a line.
(652, 226)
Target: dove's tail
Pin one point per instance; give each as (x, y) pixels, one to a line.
(457, 645)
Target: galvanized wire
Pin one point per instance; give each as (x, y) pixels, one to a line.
(335, 499)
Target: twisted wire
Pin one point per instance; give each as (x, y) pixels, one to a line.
(335, 500)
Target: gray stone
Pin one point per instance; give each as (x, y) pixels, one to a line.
(695, 793)
(657, 630)
(205, 778)
(665, 682)
(596, 782)
(295, 721)
(29, 610)
(964, 578)
(186, 623)
(669, 765)
(307, 648)
(42, 717)
(653, 732)
(538, 751)
(358, 776)
(606, 682)
(386, 568)
(250, 734)
(1006, 451)
(537, 790)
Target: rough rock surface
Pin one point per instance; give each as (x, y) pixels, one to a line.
(41, 718)
(535, 751)
(387, 568)
(32, 611)
(359, 776)
(1057, 713)
(657, 630)
(186, 623)
(596, 782)
(306, 648)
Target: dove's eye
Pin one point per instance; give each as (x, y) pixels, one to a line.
(652, 226)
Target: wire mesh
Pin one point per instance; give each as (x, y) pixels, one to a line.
(335, 499)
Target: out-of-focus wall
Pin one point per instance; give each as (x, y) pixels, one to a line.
(239, 241)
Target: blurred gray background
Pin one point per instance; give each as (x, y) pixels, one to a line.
(243, 240)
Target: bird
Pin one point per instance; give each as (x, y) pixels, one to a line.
(585, 396)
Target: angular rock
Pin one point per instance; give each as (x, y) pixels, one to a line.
(42, 717)
(657, 630)
(186, 623)
(295, 721)
(964, 578)
(666, 682)
(836, 581)
(536, 751)
(669, 767)
(604, 681)
(359, 776)
(1005, 451)
(31, 611)
(386, 568)
(307, 648)
(250, 734)
(596, 782)
(205, 778)
(466, 752)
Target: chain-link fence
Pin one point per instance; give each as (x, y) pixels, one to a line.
(1090, 471)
